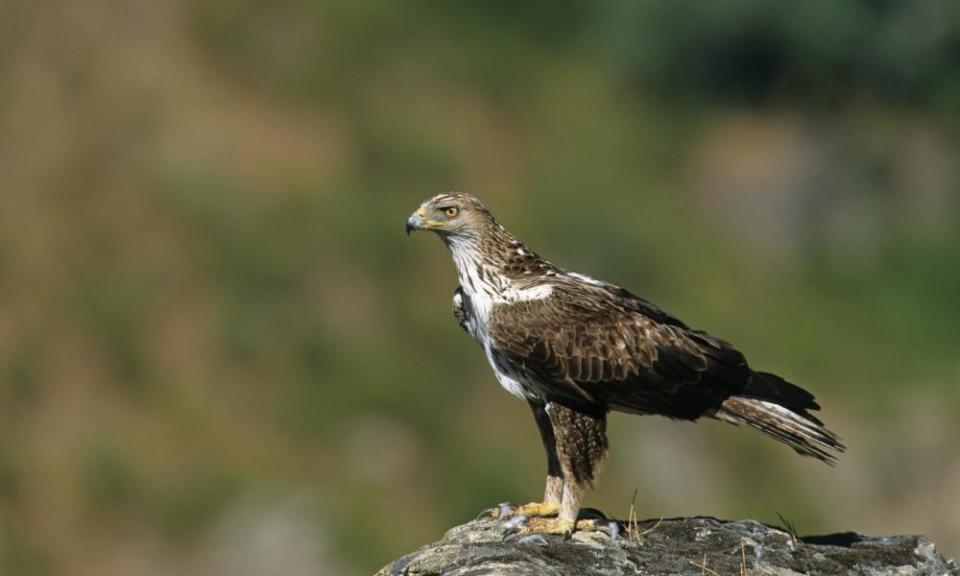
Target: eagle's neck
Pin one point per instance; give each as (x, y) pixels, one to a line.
(497, 268)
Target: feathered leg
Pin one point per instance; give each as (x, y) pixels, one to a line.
(554, 489)
(581, 447)
(550, 506)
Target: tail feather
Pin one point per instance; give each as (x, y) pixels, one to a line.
(794, 427)
(767, 386)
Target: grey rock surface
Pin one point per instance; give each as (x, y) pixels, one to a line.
(695, 546)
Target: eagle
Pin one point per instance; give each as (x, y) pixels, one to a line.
(576, 348)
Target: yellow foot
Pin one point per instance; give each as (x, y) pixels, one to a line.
(587, 526)
(538, 509)
(532, 509)
(556, 526)
(547, 526)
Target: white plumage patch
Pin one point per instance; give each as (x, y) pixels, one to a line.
(511, 381)
(537, 292)
(585, 278)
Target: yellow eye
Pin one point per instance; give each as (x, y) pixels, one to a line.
(451, 211)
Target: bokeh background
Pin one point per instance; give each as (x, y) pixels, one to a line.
(220, 355)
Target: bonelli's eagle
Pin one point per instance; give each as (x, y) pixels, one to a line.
(576, 348)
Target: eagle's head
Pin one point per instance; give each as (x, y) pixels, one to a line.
(454, 215)
(488, 258)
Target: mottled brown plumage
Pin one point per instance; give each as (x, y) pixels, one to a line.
(575, 348)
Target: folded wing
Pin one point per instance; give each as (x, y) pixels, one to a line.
(600, 344)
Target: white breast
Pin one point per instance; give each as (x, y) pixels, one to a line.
(485, 291)
(511, 381)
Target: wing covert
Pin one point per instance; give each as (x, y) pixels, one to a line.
(605, 348)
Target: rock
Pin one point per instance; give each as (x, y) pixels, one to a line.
(696, 546)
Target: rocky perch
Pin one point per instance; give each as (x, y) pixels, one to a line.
(696, 546)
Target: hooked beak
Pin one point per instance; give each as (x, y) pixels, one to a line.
(415, 221)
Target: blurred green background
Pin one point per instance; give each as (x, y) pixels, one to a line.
(220, 355)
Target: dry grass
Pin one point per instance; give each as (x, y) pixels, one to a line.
(633, 523)
(704, 569)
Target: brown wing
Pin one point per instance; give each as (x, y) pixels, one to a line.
(602, 345)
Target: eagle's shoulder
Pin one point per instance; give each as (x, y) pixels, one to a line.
(572, 298)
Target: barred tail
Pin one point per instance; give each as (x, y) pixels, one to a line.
(797, 429)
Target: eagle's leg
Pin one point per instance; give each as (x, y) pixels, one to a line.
(550, 506)
(581, 447)
(554, 489)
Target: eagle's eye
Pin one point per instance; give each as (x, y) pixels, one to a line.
(451, 211)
